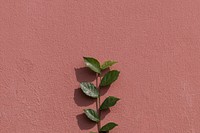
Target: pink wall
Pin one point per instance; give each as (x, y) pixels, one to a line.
(157, 45)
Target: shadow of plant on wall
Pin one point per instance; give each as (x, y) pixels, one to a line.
(88, 93)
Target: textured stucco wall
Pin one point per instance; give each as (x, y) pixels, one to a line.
(157, 45)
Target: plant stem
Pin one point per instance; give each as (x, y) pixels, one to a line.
(98, 103)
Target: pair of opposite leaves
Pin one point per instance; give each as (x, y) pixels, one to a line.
(90, 90)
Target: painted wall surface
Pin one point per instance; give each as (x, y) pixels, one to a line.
(157, 45)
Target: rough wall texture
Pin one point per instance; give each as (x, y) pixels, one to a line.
(157, 45)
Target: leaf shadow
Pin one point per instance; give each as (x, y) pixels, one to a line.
(104, 113)
(105, 71)
(84, 123)
(81, 99)
(106, 88)
(84, 74)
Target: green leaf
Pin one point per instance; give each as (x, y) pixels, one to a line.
(109, 102)
(93, 64)
(89, 89)
(92, 115)
(109, 126)
(109, 78)
(107, 64)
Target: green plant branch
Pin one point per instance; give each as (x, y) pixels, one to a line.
(98, 102)
(94, 91)
(99, 111)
